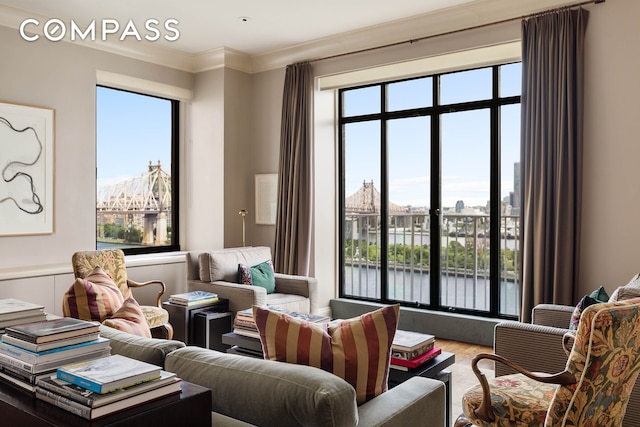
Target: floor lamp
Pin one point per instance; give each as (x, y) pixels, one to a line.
(244, 214)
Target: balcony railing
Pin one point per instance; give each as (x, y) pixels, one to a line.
(464, 258)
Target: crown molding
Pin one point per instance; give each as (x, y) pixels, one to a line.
(454, 18)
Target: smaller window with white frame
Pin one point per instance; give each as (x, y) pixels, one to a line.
(136, 171)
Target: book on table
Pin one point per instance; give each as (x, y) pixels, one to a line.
(58, 353)
(94, 400)
(52, 330)
(193, 298)
(246, 315)
(23, 380)
(51, 344)
(405, 365)
(11, 308)
(37, 317)
(35, 368)
(108, 373)
(91, 413)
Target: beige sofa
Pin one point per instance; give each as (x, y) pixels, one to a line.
(248, 391)
(537, 347)
(216, 271)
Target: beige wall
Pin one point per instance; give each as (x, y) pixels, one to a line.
(63, 76)
(611, 149)
(204, 178)
(611, 201)
(232, 128)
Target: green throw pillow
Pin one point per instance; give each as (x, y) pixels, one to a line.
(259, 275)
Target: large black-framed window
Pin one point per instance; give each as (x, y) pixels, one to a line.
(429, 191)
(137, 147)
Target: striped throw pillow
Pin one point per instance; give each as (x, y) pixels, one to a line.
(357, 350)
(129, 318)
(95, 297)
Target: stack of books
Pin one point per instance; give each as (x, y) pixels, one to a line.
(31, 351)
(193, 298)
(100, 387)
(410, 350)
(244, 323)
(14, 312)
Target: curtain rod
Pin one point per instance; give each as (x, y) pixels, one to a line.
(489, 24)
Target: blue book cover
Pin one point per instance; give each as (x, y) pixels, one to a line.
(193, 296)
(108, 373)
(53, 354)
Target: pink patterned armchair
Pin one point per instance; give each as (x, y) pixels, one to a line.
(113, 263)
(593, 390)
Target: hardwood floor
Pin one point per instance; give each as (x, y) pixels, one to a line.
(464, 351)
(462, 376)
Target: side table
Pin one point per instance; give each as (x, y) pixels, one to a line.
(181, 317)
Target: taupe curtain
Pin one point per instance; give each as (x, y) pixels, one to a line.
(551, 156)
(294, 214)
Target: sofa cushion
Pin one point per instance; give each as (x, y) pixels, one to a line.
(356, 349)
(289, 395)
(129, 318)
(628, 291)
(259, 275)
(150, 350)
(95, 297)
(222, 264)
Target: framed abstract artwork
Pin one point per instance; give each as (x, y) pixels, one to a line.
(27, 174)
(266, 188)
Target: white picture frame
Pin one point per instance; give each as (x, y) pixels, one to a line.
(266, 194)
(27, 170)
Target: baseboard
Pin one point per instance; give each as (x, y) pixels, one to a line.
(450, 326)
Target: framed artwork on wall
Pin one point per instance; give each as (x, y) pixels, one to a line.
(27, 174)
(266, 189)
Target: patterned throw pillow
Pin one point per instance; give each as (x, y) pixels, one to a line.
(259, 275)
(129, 318)
(357, 350)
(595, 297)
(95, 297)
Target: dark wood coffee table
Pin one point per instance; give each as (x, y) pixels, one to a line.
(192, 407)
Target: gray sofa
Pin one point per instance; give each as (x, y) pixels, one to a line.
(537, 347)
(249, 391)
(216, 271)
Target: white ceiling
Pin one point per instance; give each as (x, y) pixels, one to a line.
(272, 26)
(209, 24)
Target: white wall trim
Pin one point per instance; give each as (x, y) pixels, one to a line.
(55, 269)
(471, 58)
(121, 81)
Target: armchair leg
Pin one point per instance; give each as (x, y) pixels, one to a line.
(169, 329)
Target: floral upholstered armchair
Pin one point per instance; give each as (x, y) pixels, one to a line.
(593, 390)
(112, 262)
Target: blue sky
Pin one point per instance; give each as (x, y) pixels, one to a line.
(132, 130)
(465, 140)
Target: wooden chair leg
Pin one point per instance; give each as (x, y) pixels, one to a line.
(169, 329)
(462, 421)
